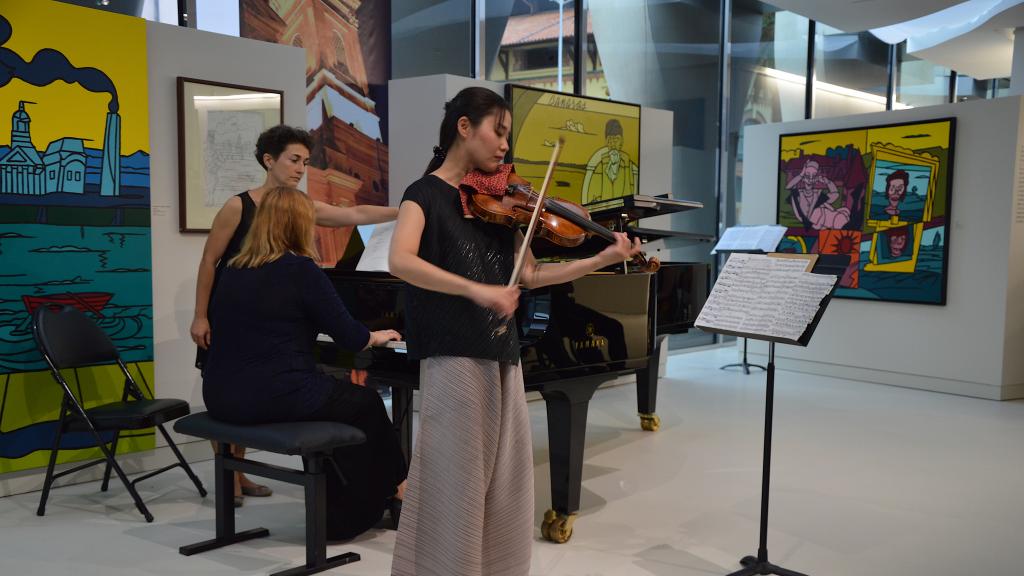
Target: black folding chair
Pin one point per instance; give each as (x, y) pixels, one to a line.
(68, 339)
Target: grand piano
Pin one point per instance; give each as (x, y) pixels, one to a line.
(574, 337)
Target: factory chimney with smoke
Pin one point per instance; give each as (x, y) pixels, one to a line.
(110, 182)
(50, 65)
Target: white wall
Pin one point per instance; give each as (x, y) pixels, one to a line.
(416, 108)
(1013, 345)
(973, 345)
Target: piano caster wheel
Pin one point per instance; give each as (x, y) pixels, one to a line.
(650, 422)
(557, 527)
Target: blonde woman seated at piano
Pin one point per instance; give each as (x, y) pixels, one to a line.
(283, 151)
(271, 302)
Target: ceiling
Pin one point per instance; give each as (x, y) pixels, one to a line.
(983, 53)
(973, 37)
(858, 15)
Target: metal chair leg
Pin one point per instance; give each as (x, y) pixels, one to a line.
(181, 460)
(49, 469)
(106, 471)
(139, 504)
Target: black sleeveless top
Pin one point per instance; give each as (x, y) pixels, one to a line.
(233, 248)
(439, 324)
(235, 244)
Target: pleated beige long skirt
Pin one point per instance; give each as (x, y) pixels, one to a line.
(468, 509)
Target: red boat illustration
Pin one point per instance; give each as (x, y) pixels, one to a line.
(85, 301)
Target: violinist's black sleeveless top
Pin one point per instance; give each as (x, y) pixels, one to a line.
(439, 324)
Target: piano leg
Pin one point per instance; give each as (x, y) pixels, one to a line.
(647, 387)
(567, 403)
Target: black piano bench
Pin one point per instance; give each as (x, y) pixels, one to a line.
(314, 441)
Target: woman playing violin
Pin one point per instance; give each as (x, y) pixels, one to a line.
(469, 507)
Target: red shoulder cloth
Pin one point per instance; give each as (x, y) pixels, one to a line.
(477, 182)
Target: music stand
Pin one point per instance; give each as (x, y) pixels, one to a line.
(746, 366)
(759, 564)
(748, 240)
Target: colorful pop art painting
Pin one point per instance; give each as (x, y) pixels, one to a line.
(880, 194)
(74, 213)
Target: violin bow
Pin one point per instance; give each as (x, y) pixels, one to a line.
(532, 228)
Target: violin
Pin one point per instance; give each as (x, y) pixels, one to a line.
(561, 222)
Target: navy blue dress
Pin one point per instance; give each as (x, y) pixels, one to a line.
(261, 366)
(230, 251)
(261, 369)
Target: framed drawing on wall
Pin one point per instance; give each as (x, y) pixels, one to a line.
(218, 125)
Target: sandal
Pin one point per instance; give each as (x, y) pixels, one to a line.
(257, 490)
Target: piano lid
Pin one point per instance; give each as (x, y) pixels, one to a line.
(638, 206)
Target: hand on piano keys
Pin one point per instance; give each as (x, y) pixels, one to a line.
(398, 345)
(385, 339)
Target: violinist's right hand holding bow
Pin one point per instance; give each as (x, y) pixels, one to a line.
(501, 299)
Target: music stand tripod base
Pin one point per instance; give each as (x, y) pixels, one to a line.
(754, 566)
(743, 364)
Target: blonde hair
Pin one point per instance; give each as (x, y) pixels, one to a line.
(284, 222)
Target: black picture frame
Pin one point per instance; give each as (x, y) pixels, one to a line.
(563, 188)
(876, 280)
(242, 113)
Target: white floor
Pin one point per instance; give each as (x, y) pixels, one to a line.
(867, 480)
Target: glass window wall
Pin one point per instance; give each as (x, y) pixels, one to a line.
(531, 43)
(768, 83)
(431, 37)
(919, 82)
(851, 72)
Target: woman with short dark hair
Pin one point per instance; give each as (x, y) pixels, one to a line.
(283, 151)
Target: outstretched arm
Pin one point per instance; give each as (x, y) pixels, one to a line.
(337, 216)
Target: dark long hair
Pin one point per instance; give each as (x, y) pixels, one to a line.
(474, 103)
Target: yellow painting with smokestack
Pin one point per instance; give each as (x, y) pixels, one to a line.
(74, 213)
(113, 43)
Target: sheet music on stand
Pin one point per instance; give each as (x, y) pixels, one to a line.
(766, 298)
(758, 239)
